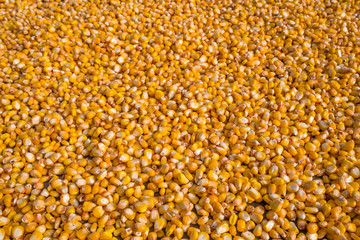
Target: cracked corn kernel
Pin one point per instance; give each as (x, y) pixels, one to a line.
(179, 119)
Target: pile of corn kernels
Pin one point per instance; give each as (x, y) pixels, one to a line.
(179, 119)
